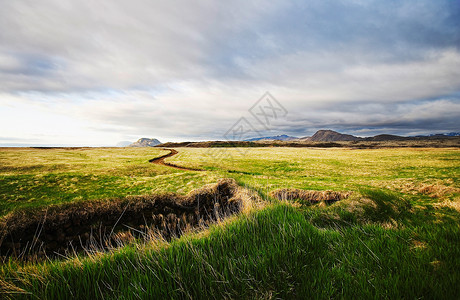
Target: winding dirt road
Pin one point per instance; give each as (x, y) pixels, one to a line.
(161, 161)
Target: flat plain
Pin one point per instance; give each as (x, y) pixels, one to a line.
(397, 234)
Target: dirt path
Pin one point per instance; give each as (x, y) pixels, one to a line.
(161, 161)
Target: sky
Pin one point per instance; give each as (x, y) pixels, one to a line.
(94, 73)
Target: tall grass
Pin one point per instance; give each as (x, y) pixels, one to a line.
(273, 253)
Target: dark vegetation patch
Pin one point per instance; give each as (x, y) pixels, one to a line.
(232, 144)
(370, 206)
(243, 172)
(105, 224)
(359, 144)
(308, 196)
(386, 206)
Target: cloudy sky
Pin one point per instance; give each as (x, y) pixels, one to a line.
(99, 72)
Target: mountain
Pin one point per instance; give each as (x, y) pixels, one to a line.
(332, 136)
(123, 144)
(282, 137)
(145, 142)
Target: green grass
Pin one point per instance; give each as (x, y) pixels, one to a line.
(402, 242)
(266, 169)
(276, 252)
(34, 178)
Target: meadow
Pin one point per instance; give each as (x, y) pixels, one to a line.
(33, 178)
(396, 236)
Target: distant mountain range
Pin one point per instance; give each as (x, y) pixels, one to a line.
(319, 136)
(334, 136)
(282, 137)
(145, 142)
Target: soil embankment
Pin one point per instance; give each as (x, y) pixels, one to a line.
(311, 197)
(106, 224)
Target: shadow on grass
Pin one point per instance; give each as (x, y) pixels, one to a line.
(386, 206)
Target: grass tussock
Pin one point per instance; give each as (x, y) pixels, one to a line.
(452, 204)
(439, 189)
(308, 196)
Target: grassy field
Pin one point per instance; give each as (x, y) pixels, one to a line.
(38, 177)
(397, 236)
(411, 171)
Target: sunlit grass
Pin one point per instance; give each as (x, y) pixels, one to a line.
(396, 236)
(36, 177)
(338, 169)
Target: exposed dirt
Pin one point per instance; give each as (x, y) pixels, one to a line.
(161, 161)
(105, 224)
(309, 196)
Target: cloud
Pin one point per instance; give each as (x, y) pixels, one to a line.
(180, 70)
(115, 44)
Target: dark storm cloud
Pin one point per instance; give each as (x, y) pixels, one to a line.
(389, 31)
(428, 116)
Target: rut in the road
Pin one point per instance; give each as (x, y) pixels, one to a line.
(161, 161)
